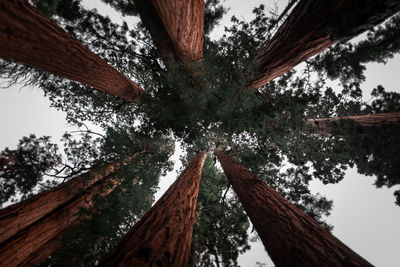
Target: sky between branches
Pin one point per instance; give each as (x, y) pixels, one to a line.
(365, 218)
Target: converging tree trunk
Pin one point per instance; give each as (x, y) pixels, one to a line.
(176, 28)
(184, 23)
(330, 126)
(29, 37)
(313, 26)
(37, 242)
(162, 236)
(16, 217)
(291, 237)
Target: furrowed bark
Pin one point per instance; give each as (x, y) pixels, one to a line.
(27, 36)
(158, 33)
(36, 243)
(291, 237)
(19, 216)
(328, 126)
(315, 25)
(162, 236)
(184, 22)
(176, 28)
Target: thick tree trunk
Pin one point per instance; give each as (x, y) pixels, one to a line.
(162, 236)
(176, 28)
(19, 216)
(35, 243)
(291, 237)
(29, 37)
(313, 26)
(329, 126)
(184, 23)
(158, 33)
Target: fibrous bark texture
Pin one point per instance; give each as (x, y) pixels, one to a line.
(291, 237)
(328, 126)
(162, 236)
(313, 26)
(19, 216)
(184, 22)
(29, 37)
(16, 217)
(176, 28)
(37, 242)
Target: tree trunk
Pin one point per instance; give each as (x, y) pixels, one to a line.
(184, 23)
(313, 26)
(162, 236)
(328, 126)
(291, 237)
(19, 216)
(176, 28)
(29, 37)
(36, 243)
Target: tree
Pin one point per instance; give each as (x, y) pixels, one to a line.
(290, 236)
(19, 216)
(163, 234)
(44, 218)
(29, 37)
(38, 240)
(188, 40)
(219, 213)
(329, 125)
(266, 128)
(313, 26)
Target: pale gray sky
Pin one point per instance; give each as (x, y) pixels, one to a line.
(365, 218)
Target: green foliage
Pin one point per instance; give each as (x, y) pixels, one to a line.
(23, 168)
(101, 227)
(219, 213)
(347, 61)
(265, 129)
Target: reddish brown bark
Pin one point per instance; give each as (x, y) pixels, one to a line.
(313, 26)
(290, 236)
(29, 37)
(19, 216)
(327, 126)
(35, 243)
(162, 236)
(176, 28)
(184, 23)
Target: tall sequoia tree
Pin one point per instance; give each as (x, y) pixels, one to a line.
(330, 125)
(29, 37)
(19, 216)
(37, 241)
(290, 236)
(266, 128)
(218, 212)
(163, 234)
(313, 26)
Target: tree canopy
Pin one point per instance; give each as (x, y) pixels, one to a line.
(202, 105)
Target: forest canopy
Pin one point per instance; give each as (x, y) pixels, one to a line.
(202, 104)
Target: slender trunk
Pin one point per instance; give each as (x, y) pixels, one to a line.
(19, 216)
(36, 243)
(29, 37)
(328, 126)
(291, 237)
(163, 235)
(315, 25)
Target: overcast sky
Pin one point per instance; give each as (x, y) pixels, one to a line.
(365, 218)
